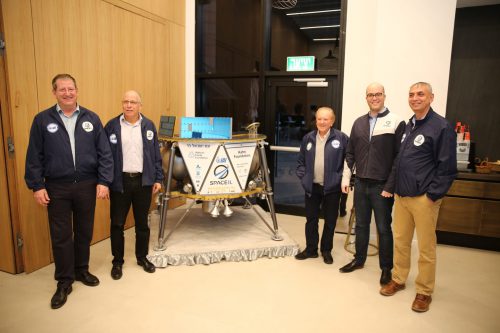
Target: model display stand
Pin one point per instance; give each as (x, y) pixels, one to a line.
(215, 171)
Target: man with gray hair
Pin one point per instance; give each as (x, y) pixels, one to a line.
(137, 176)
(425, 169)
(319, 168)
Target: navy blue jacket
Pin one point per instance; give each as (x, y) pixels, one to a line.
(427, 159)
(152, 171)
(49, 156)
(335, 150)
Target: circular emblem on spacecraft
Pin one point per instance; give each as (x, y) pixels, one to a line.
(221, 171)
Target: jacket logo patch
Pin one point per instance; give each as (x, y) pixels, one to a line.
(113, 139)
(309, 146)
(419, 140)
(149, 135)
(87, 126)
(336, 144)
(52, 128)
(387, 123)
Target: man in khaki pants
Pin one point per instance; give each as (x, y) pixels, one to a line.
(425, 169)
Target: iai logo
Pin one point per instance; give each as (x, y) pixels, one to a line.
(419, 140)
(336, 144)
(87, 126)
(52, 128)
(221, 171)
(150, 135)
(112, 139)
(403, 137)
(309, 146)
(221, 160)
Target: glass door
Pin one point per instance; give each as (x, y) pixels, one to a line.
(291, 104)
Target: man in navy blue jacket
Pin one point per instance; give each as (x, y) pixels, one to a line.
(425, 169)
(137, 176)
(68, 164)
(320, 166)
(373, 145)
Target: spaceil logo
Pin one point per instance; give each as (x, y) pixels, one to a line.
(221, 172)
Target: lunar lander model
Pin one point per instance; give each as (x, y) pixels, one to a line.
(216, 171)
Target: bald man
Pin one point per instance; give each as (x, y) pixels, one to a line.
(137, 176)
(373, 146)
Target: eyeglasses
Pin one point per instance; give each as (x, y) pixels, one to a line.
(125, 102)
(379, 94)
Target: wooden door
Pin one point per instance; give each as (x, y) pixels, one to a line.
(7, 257)
(109, 46)
(10, 259)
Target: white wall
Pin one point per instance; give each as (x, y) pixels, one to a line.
(396, 43)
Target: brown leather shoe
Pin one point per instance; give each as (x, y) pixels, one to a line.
(421, 303)
(391, 288)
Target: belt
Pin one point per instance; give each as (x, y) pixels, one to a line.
(132, 174)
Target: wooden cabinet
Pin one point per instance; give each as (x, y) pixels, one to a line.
(472, 206)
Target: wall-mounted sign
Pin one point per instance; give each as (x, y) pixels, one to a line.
(295, 64)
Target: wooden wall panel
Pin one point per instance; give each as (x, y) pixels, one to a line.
(109, 46)
(22, 94)
(7, 257)
(173, 10)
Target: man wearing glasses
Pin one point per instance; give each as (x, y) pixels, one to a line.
(137, 176)
(373, 146)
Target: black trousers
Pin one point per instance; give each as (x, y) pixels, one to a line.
(140, 198)
(71, 221)
(330, 206)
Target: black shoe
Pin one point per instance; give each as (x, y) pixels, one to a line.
(343, 213)
(116, 272)
(304, 255)
(386, 276)
(146, 264)
(60, 297)
(352, 266)
(87, 279)
(327, 257)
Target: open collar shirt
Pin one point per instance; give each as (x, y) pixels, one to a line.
(131, 145)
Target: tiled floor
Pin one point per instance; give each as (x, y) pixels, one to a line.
(266, 295)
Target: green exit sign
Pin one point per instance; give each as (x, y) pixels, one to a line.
(300, 63)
